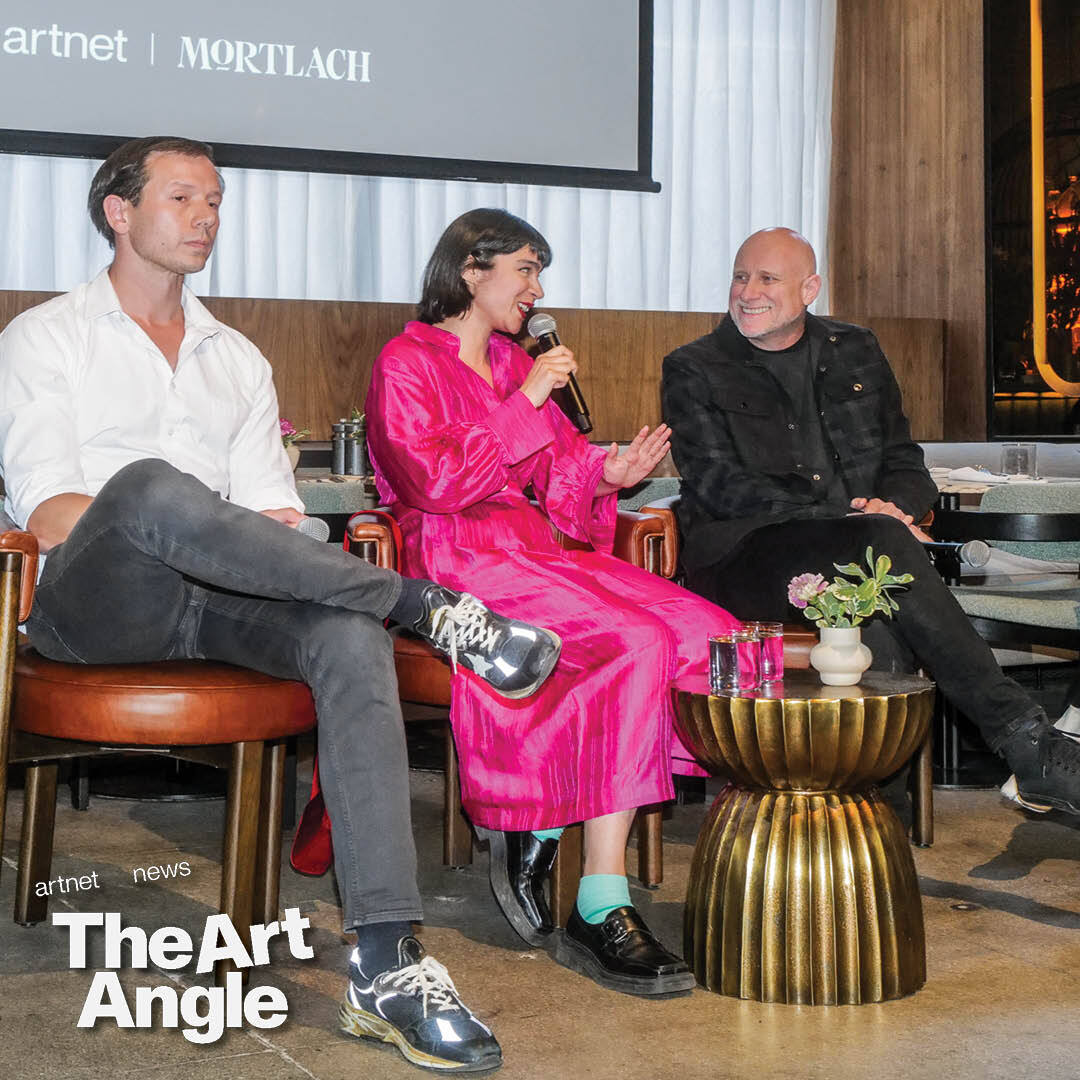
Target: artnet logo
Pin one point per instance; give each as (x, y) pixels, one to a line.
(206, 1011)
(335, 63)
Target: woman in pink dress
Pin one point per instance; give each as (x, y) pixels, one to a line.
(460, 423)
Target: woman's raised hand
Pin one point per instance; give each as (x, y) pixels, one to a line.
(550, 371)
(636, 461)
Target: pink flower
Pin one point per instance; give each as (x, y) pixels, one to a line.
(286, 427)
(803, 589)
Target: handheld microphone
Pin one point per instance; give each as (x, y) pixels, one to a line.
(314, 527)
(569, 397)
(948, 557)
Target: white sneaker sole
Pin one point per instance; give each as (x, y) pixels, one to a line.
(1012, 792)
(364, 1025)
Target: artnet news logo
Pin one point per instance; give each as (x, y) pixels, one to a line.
(204, 1011)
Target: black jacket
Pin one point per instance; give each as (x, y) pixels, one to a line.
(738, 458)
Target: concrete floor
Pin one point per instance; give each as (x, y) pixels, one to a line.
(1001, 895)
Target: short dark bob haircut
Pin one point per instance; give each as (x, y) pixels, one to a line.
(124, 172)
(474, 239)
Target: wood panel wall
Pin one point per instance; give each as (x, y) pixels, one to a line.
(907, 224)
(322, 353)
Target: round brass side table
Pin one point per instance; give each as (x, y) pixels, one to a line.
(802, 886)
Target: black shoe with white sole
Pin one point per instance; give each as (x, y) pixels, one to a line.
(511, 656)
(416, 1008)
(622, 954)
(1046, 763)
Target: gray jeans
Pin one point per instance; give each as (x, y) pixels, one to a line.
(160, 567)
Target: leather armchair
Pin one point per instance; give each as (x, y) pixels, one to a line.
(197, 710)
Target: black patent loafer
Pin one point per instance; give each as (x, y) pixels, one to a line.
(622, 954)
(519, 866)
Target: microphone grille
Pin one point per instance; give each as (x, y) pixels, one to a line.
(314, 527)
(540, 323)
(975, 553)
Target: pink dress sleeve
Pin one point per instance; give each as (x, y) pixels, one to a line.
(432, 462)
(566, 473)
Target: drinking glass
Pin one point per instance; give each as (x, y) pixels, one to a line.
(734, 661)
(772, 649)
(1020, 459)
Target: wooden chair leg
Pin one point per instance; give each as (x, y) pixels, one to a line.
(922, 809)
(242, 809)
(268, 846)
(36, 846)
(566, 873)
(79, 784)
(288, 806)
(457, 835)
(650, 844)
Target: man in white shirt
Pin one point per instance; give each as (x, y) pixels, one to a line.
(139, 443)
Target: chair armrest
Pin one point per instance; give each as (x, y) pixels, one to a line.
(377, 538)
(958, 525)
(647, 540)
(27, 546)
(664, 509)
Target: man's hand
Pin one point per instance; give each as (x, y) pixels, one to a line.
(635, 462)
(880, 506)
(286, 515)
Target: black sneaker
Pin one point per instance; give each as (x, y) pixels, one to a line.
(511, 656)
(622, 954)
(416, 1007)
(1046, 762)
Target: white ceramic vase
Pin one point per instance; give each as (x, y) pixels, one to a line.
(840, 657)
(293, 452)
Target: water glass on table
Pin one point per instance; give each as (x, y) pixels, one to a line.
(1020, 459)
(734, 661)
(772, 649)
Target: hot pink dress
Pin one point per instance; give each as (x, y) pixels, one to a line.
(452, 457)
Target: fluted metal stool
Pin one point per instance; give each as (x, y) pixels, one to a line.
(802, 886)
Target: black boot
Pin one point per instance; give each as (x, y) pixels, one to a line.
(519, 865)
(621, 954)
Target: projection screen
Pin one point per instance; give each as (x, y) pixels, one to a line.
(552, 93)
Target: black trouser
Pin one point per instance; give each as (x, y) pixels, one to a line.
(160, 567)
(930, 630)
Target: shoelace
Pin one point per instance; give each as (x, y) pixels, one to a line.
(1057, 752)
(431, 980)
(465, 625)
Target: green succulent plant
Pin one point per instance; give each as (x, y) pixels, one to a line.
(864, 592)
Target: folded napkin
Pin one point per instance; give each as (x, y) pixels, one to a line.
(977, 476)
(983, 476)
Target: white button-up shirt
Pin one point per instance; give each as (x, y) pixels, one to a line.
(84, 392)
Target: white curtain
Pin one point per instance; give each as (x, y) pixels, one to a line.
(741, 140)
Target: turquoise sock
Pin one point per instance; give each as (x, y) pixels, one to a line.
(547, 834)
(600, 893)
